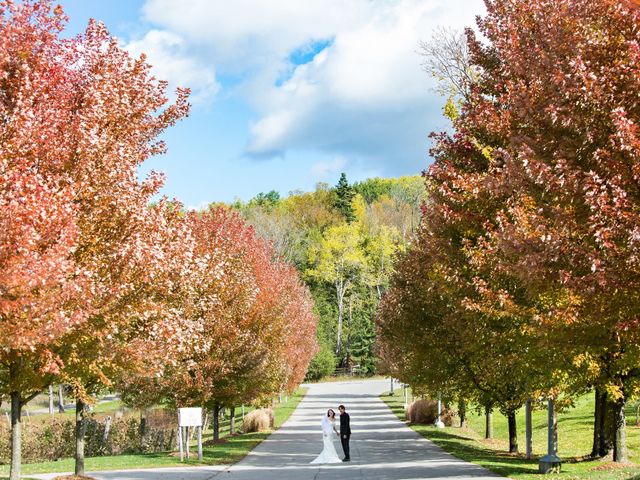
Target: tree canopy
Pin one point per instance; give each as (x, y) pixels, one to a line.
(530, 228)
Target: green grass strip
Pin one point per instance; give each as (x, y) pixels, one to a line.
(575, 436)
(230, 450)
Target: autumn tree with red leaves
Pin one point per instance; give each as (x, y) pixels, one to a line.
(547, 143)
(145, 330)
(43, 291)
(40, 286)
(256, 330)
(97, 285)
(80, 116)
(558, 93)
(447, 325)
(129, 249)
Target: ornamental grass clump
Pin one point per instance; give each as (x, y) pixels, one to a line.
(259, 420)
(425, 412)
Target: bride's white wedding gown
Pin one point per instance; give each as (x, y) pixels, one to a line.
(328, 454)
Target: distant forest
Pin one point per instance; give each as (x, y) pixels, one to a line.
(343, 240)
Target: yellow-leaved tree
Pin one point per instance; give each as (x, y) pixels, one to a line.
(339, 259)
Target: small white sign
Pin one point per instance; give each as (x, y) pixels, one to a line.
(190, 417)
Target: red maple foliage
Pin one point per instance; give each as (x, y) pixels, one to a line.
(558, 101)
(98, 284)
(43, 291)
(255, 330)
(537, 190)
(79, 117)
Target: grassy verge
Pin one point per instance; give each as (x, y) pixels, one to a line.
(575, 436)
(230, 449)
(34, 413)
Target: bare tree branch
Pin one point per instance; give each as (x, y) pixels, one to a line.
(446, 58)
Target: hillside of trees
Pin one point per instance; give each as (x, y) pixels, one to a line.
(342, 240)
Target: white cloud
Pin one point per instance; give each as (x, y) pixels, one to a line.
(200, 206)
(329, 169)
(248, 32)
(364, 96)
(168, 53)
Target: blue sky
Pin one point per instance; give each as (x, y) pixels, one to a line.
(286, 93)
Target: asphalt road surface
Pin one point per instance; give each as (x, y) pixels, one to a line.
(382, 447)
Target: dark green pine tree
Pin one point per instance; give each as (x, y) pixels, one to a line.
(267, 200)
(344, 198)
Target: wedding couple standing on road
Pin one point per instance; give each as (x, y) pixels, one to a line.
(329, 454)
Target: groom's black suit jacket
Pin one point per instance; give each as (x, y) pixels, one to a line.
(345, 426)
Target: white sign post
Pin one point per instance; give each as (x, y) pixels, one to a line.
(406, 397)
(189, 417)
(181, 443)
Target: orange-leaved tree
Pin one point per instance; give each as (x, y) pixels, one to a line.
(43, 290)
(557, 91)
(79, 116)
(130, 249)
(551, 120)
(256, 330)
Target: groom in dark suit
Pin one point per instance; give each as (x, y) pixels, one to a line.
(345, 432)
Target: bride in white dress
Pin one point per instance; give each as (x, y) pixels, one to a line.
(328, 454)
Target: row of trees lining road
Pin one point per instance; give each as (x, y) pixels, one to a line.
(256, 329)
(100, 288)
(343, 241)
(523, 279)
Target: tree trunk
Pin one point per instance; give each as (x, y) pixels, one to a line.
(554, 430)
(80, 420)
(232, 420)
(619, 431)
(340, 314)
(51, 400)
(607, 437)
(216, 422)
(16, 436)
(513, 433)
(528, 429)
(488, 423)
(60, 399)
(462, 411)
(603, 425)
(598, 421)
(143, 422)
(349, 333)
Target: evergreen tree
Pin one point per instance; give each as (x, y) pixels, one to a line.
(267, 200)
(344, 198)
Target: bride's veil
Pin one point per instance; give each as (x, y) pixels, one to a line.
(326, 424)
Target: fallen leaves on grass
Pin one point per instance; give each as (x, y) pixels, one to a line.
(215, 442)
(492, 442)
(74, 477)
(607, 466)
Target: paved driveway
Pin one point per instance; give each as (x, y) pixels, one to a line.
(382, 447)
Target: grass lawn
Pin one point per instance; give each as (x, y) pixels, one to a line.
(575, 434)
(229, 450)
(36, 413)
